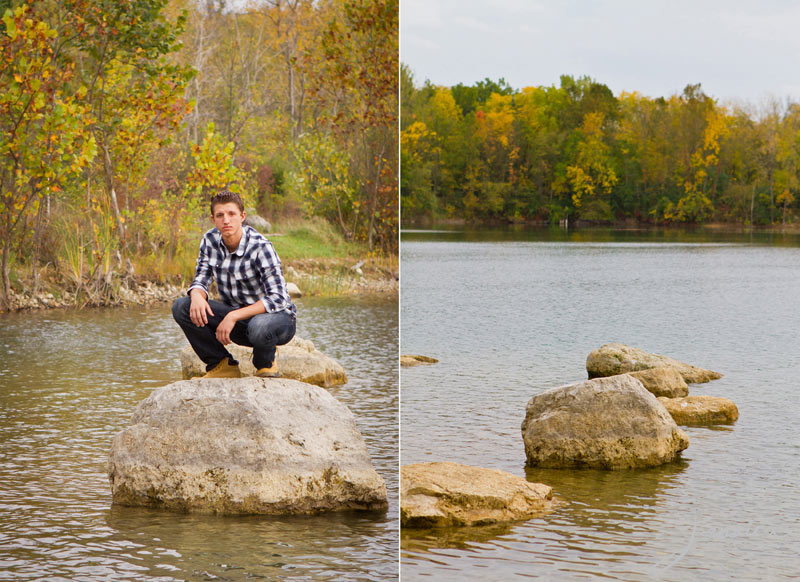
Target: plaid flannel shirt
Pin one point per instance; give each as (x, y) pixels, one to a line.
(251, 273)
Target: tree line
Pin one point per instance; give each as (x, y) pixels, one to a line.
(575, 151)
(120, 118)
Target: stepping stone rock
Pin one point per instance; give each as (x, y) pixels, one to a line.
(297, 360)
(613, 359)
(605, 423)
(698, 410)
(451, 494)
(244, 446)
(663, 381)
(408, 361)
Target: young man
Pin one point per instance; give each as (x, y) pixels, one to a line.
(255, 309)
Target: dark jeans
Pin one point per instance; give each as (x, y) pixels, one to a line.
(262, 332)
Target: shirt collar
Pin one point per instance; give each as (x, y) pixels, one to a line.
(242, 243)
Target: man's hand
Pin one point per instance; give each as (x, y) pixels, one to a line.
(199, 310)
(225, 328)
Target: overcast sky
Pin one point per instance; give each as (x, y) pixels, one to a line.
(739, 51)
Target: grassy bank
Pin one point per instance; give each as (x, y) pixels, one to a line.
(314, 256)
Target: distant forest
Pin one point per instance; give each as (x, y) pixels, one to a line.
(545, 154)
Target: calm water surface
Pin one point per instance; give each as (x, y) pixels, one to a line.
(511, 314)
(69, 381)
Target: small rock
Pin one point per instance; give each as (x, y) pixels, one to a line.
(699, 410)
(244, 446)
(260, 224)
(451, 494)
(293, 290)
(605, 423)
(612, 359)
(298, 360)
(409, 360)
(663, 381)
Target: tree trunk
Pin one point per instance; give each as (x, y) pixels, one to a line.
(110, 180)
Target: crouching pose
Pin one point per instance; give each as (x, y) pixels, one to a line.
(255, 310)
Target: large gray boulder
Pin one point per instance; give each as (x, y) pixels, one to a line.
(297, 360)
(615, 358)
(244, 445)
(606, 423)
(663, 381)
(260, 223)
(699, 410)
(451, 494)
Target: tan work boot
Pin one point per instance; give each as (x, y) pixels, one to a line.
(224, 370)
(272, 371)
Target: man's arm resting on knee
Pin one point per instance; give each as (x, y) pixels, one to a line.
(224, 329)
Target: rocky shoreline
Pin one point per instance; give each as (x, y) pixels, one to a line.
(152, 292)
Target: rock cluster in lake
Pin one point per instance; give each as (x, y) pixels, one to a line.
(604, 423)
(244, 446)
(452, 494)
(612, 359)
(660, 375)
(297, 360)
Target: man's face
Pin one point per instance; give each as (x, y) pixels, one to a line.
(228, 219)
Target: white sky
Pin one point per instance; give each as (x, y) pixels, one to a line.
(740, 51)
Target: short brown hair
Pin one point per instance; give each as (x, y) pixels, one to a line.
(225, 196)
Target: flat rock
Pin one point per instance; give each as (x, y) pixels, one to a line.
(243, 446)
(409, 360)
(698, 410)
(663, 381)
(612, 359)
(451, 494)
(605, 423)
(297, 360)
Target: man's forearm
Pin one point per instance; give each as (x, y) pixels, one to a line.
(248, 312)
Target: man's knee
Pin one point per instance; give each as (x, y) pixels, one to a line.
(180, 308)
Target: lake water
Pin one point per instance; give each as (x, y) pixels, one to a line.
(69, 381)
(510, 314)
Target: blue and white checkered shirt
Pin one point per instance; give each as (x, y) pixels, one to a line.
(251, 273)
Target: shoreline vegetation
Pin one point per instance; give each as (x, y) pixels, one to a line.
(314, 255)
(118, 125)
(575, 152)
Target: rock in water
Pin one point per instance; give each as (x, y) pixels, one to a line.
(244, 445)
(663, 381)
(410, 360)
(450, 494)
(697, 410)
(297, 360)
(612, 359)
(606, 423)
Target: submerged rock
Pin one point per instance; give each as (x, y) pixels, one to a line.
(297, 360)
(244, 445)
(409, 360)
(612, 359)
(451, 494)
(663, 381)
(697, 410)
(606, 423)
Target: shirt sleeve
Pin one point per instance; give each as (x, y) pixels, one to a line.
(273, 285)
(202, 273)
